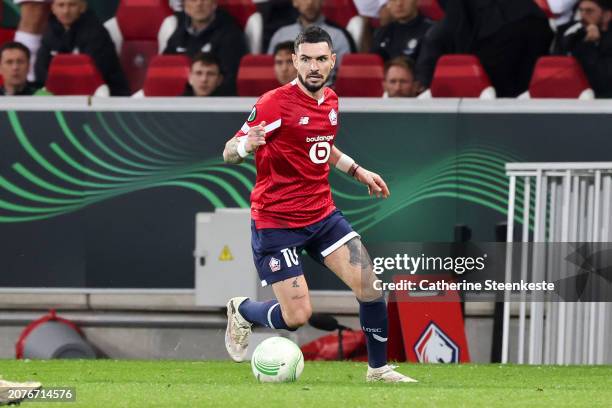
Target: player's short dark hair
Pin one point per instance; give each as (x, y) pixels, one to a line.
(206, 58)
(403, 62)
(283, 46)
(14, 45)
(313, 35)
(604, 4)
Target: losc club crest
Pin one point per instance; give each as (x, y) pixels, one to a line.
(274, 264)
(333, 117)
(434, 346)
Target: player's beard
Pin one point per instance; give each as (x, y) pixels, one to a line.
(310, 87)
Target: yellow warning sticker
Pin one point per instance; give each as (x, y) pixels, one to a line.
(226, 254)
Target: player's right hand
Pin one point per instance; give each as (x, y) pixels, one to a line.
(256, 137)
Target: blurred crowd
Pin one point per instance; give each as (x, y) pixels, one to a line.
(507, 36)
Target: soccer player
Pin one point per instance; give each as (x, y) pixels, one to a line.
(291, 131)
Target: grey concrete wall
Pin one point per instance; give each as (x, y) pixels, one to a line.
(200, 343)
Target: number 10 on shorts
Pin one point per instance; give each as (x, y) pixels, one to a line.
(291, 257)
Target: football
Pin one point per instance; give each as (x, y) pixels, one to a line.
(277, 359)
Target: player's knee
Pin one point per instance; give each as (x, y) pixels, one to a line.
(298, 317)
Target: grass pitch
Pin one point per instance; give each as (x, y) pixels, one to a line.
(110, 383)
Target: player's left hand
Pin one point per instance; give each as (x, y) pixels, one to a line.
(376, 185)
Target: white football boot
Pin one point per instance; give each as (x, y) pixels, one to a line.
(11, 397)
(237, 332)
(387, 374)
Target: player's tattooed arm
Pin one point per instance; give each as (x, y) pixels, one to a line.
(334, 156)
(254, 138)
(230, 153)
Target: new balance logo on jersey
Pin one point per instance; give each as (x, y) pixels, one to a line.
(291, 257)
(274, 264)
(304, 120)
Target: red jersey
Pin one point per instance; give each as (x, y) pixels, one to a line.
(292, 187)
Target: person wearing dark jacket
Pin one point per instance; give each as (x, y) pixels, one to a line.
(205, 76)
(590, 41)
(202, 27)
(401, 37)
(14, 67)
(508, 36)
(74, 29)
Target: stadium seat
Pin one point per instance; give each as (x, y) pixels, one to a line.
(460, 76)
(167, 75)
(256, 75)
(246, 15)
(558, 77)
(75, 74)
(339, 11)
(241, 10)
(360, 75)
(431, 9)
(344, 13)
(6, 35)
(135, 29)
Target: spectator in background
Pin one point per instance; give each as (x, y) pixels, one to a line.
(34, 15)
(399, 78)
(14, 66)
(590, 41)
(205, 75)
(275, 14)
(507, 35)
(203, 27)
(74, 29)
(283, 62)
(404, 34)
(370, 8)
(310, 14)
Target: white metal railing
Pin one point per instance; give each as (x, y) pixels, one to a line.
(572, 203)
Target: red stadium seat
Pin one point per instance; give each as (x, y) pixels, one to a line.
(241, 10)
(344, 13)
(360, 75)
(6, 35)
(167, 75)
(460, 76)
(138, 23)
(256, 75)
(73, 74)
(339, 11)
(431, 9)
(559, 77)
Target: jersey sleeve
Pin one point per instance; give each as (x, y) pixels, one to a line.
(266, 109)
